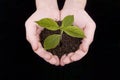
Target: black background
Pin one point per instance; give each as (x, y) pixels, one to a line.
(19, 62)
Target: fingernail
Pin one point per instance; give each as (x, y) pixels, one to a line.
(47, 56)
(66, 60)
(84, 49)
(35, 47)
(53, 61)
(73, 58)
(57, 60)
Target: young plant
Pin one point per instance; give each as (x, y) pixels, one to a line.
(67, 26)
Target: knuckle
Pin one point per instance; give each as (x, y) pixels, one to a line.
(91, 40)
(26, 23)
(27, 38)
(93, 24)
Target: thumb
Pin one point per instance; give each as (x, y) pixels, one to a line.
(34, 43)
(89, 31)
(31, 35)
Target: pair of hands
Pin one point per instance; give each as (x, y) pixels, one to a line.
(81, 19)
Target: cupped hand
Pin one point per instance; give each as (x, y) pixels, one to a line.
(33, 31)
(84, 21)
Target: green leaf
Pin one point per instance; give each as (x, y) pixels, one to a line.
(48, 23)
(68, 21)
(74, 31)
(52, 41)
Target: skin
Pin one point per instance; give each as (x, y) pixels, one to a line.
(81, 18)
(44, 9)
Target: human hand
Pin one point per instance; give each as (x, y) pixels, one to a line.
(33, 32)
(84, 21)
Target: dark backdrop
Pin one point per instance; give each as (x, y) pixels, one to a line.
(19, 62)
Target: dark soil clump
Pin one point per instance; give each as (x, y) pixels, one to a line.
(68, 44)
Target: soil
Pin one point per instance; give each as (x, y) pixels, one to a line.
(67, 44)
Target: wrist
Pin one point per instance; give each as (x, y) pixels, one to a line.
(46, 4)
(75, 4)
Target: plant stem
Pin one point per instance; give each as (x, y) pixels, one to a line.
(61, 34)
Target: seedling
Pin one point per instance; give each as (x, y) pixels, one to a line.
(67, 26)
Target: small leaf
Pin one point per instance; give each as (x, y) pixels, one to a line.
(52, 41)
(48, 23)
(74, 31)
(68, 21)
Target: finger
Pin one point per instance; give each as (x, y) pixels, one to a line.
(34, 43)
(70, 54)
(47, 56)
(57, 59)
(61, 60)
(31, 34)
(78, 55)
(42, 53)
(52, 60)
(89, 31)
(84, 46)
(67, 59)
